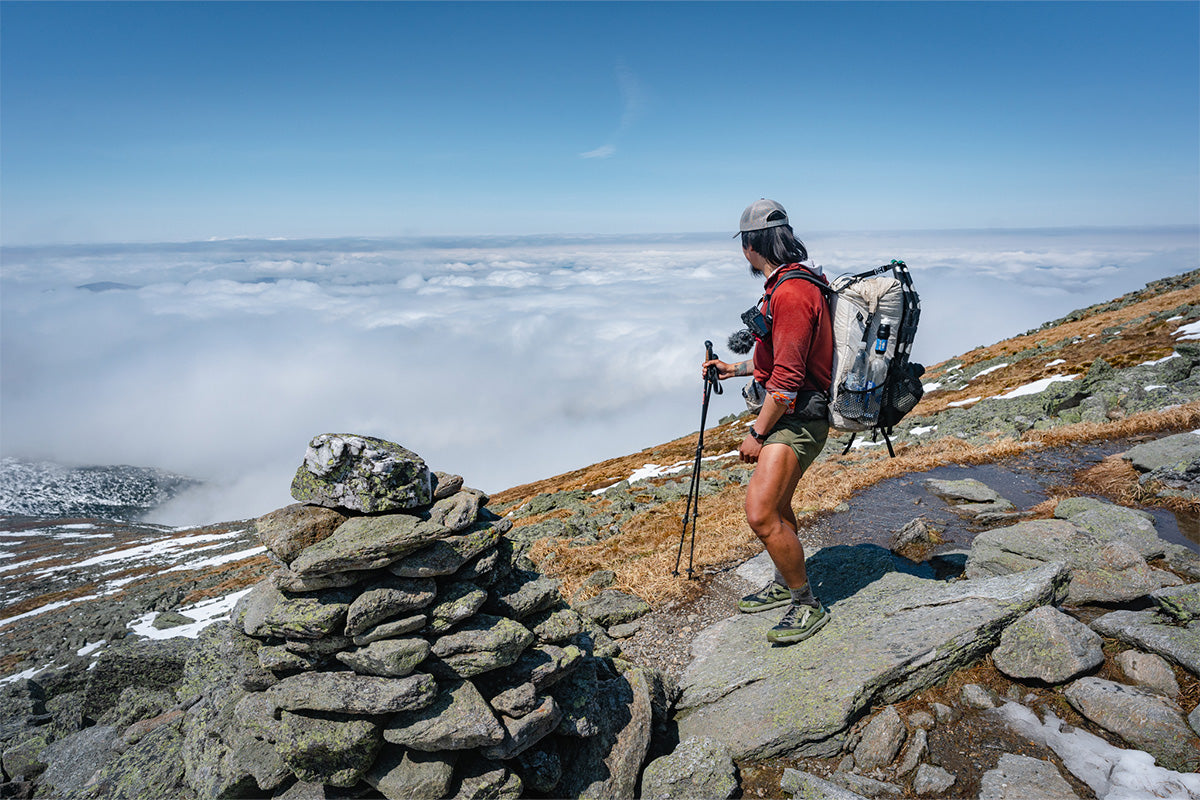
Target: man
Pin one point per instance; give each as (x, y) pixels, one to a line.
(794, 362)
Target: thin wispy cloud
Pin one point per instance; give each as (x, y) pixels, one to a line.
(633, 101)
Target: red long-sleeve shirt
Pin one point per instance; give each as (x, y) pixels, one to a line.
(799, 354)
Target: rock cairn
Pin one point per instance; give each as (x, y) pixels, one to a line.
(405, 643)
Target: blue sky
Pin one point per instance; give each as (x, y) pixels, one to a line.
(177, 122)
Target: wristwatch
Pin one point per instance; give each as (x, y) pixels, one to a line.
(761, 438)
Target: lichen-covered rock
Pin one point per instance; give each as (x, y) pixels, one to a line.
(306, 616)
(389, 658)
(150, 664)
(1106, 522)
(481, 644)
(1148, 671)
(555, 626)
(458, 511)
(288, 530)
(150, 768)
(608, 763)
(1024, 778)
(333, 748)
(1179, 602)
(399, 774)
(22, 758)
(1048, 645)
(287, 581)
(523, 733)
(136, 703)
(278, 659)
(806, 786)
(881, 740)
(1146, 720)
(613, 607)
(932, 780)
(362, 473)
(697, 767)
(447, 555)
(458, 719)
(1175, 451)
(1100, 571)
(516, 701)
(970, 496)
(456, 602)
(391, 629)
(521, 594)
(367, 543)
(540, 766)
(483, 779)
(22, 705)
(387, 598)
(72, 760)
(748, 696)
(349, 693)
(543, 665)
(1149, 631)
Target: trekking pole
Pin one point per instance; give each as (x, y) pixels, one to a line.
(691, 511)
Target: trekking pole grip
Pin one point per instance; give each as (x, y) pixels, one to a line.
(710, 376)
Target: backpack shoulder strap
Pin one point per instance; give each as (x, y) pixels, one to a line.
(804, 274)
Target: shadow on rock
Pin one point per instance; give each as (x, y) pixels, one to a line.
(841, 571)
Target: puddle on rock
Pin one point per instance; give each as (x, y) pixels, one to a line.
(875, 514)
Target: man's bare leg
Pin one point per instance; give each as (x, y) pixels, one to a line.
(769, 511)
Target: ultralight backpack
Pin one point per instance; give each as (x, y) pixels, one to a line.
(859, 306)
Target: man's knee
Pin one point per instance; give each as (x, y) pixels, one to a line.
(763, 520)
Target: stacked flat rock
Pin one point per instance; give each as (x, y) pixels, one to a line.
(414, 650)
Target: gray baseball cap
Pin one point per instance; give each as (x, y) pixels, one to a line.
(754, 218)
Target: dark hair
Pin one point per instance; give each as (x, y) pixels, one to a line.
(777, 245)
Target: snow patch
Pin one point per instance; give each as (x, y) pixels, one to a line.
(218, 560)
(1189, 331)
(921, 430)
(205, 613)
(1112, 772)
(1035, 387)
(1056, 362)
(90, 648)
(657, 471)
(932, 387)
(983, 372)
(1159, 361)
(966, 402)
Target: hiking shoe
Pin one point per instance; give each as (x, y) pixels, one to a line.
(770, 596)
(798, 623)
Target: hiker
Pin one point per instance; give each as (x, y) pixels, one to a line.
(794, 362)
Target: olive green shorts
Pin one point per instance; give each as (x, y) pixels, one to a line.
(805, 437)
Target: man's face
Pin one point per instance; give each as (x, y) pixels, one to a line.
(755, 261)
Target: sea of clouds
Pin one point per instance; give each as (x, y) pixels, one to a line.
(504, 360)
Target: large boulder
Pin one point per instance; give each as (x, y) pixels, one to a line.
(1106, 572)
(612, 607)
(445, 556)
(361, 473)
(896, 636)
(1049, 646)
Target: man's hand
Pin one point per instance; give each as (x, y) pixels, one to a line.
(749, 450)
(724, 370)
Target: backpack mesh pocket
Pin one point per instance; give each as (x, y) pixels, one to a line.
(853, 405)
(905, 392)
